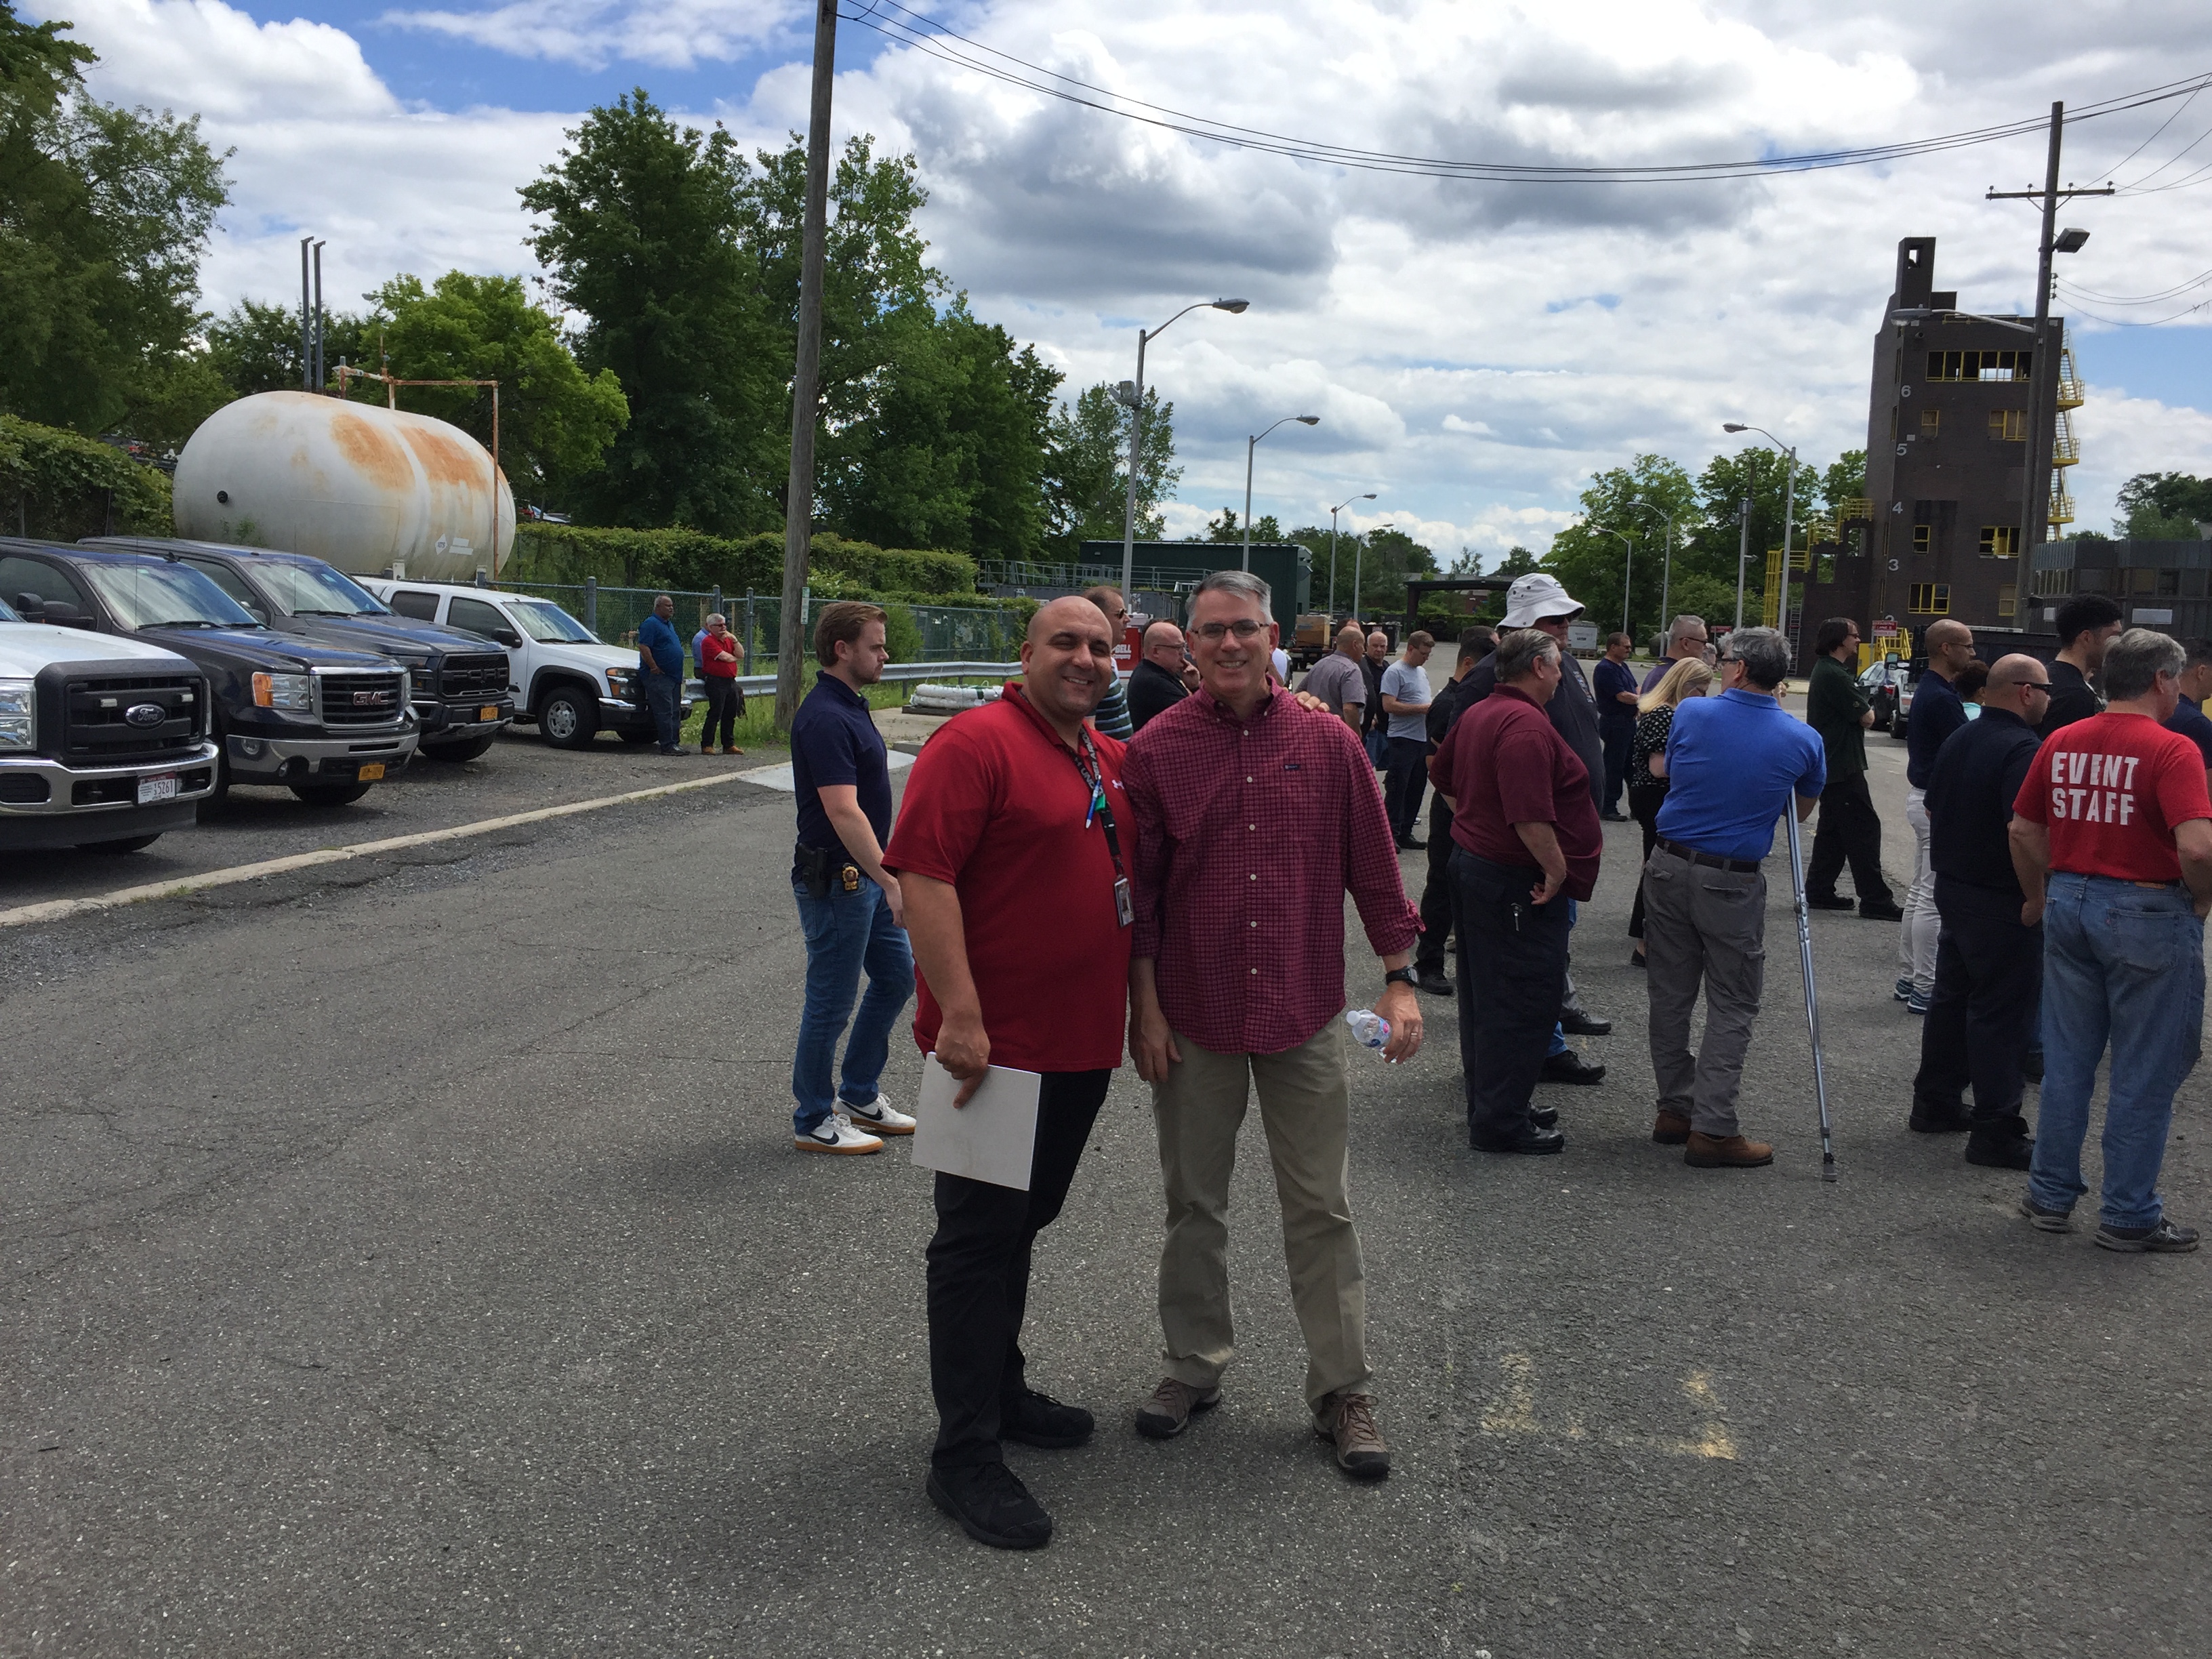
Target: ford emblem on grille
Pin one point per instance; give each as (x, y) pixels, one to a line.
(371, 699)
(145, 714)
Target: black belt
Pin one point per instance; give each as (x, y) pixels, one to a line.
(1710, 860)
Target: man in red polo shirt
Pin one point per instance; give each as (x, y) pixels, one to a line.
(1012, 851)
(1525, 838)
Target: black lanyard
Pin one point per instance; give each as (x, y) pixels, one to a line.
(1094, 778)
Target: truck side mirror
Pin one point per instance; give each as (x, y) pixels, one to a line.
(508, 637)
(62, 614)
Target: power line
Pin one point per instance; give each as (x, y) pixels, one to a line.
(2173, 292)
(898, 24)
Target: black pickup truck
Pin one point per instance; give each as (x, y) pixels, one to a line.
(459, 683)
(325, 724)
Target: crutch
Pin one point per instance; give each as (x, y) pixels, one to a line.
(1811, 1002)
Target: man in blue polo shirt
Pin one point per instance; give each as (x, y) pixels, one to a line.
(661, 673)
(1732, 762)
(849, 906)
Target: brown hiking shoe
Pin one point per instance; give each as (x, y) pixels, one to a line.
(1348, 1420)
(1167, 1412)
(1711, 1152)
(1670, 1128)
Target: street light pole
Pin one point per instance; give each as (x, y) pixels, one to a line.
(1667, 579)
(1132, 392)
(1251, 444)
(1627, 568)
(1332, 512)
(1742, 554)
(1788, 521)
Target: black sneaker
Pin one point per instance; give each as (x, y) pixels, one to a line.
(2164, 1239)
(2001, 1149)
(2046, 1221)
(1881, 910)
(1038, 1419)
(1568, 1066)
(992, 1506)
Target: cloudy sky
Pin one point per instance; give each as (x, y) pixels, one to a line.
(1475, 350)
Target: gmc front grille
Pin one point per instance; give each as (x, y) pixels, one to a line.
(362, 699)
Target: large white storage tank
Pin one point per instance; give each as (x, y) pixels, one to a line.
(376, 491)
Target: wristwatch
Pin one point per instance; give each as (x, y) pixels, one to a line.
(1399, 976)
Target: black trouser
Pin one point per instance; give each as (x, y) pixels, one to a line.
(1850, 829)
(1407, 781)
(979, 1273)
(725, 703)
(1644, 806)
(1516, 950)
(1981, 1015)
(1618, 740)
(1436, 892)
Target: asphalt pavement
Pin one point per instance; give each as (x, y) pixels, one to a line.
(407, 1257)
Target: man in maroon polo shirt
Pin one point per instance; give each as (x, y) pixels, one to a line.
(1010, 851)
(1525, 838)
(1254, 816)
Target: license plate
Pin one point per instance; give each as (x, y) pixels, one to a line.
(489, 712)
(161, 788)
(371, 773)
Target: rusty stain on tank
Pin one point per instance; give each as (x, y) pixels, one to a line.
(376, 456)
(449, 461)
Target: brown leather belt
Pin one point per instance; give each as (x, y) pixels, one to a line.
(1710, 860)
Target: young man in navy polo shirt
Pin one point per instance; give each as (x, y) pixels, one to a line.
(661, 673)
(849, 905)
(1733, 763)
(1013, 849)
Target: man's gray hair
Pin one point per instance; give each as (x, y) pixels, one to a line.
(1520, 651)
(1242, 583)
(718, 617)
(1763, 653)
(1681, 630)
(2134, 661)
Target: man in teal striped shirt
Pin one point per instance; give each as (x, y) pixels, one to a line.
(1113, 713)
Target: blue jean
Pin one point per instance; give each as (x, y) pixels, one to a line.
(844, 933)
(2125, 964)
(662, 696)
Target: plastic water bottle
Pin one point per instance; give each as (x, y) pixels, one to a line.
(1368, 1029)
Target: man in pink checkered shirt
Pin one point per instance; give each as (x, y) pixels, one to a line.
(1254, 816)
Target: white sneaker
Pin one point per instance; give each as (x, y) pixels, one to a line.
(835, 1133)
(878, 1117)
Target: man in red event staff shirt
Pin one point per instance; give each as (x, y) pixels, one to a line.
(1256, 815)
(1010, 851)
(2112, 838)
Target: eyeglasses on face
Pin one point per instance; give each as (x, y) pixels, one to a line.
(1244, 628)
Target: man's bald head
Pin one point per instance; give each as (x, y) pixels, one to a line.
(2015, 670)
(1349, 640)
(1949, 631)
(1073, 612)
(2019, 685)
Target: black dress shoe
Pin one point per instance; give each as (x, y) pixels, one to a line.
(1829, 901)
(1432, 981)
(1934, 1120)
(1544, 1117)
(1880, 910)
(1570, 1067)
(1613, 818)
(992, 1506)
(1533, 1141)
(1038, 1419)
(2001, 1149)
(1410, 845)
(1577, 1022)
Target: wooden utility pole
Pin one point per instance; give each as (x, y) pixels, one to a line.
(805, 393)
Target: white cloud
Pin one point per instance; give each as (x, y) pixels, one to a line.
(1475, 351)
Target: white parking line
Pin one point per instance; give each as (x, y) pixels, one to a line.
(56, 909)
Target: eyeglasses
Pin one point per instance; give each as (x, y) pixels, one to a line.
(1244, 628)
(2042, 686)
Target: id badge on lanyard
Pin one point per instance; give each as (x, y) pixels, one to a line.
(1125, 904)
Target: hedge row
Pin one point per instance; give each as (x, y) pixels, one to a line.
(58, 485)
(690, 559)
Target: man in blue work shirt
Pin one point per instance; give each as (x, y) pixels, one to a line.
(849, 906)
(1733, 763)
(1937, 713)
(660, 672)
(2189, 717)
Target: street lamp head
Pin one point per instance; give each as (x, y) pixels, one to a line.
(1308, 419)
(1369, 496)
(2070, 241)
(1126, 394)
(1233, 306)
(1734, 426)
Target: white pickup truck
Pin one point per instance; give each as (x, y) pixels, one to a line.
(559, 675)
(103, 741)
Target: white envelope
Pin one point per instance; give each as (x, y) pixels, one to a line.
(992, 1138)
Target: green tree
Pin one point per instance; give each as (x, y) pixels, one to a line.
(555, 421)
(103, 214)
(1757, 472)
(642, 227)
(1844, 480)
(255, 347)
(1087, 476)
(1637, 502)
(1229, 528)
(2163, 507)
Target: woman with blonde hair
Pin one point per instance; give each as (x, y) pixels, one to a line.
(1655, 718)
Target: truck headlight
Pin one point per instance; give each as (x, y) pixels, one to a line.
(294, 694)
(419, 678)
(618, 682)
(19, 716)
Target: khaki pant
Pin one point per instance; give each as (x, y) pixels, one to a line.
(1305, 1110)
(1702, 926)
